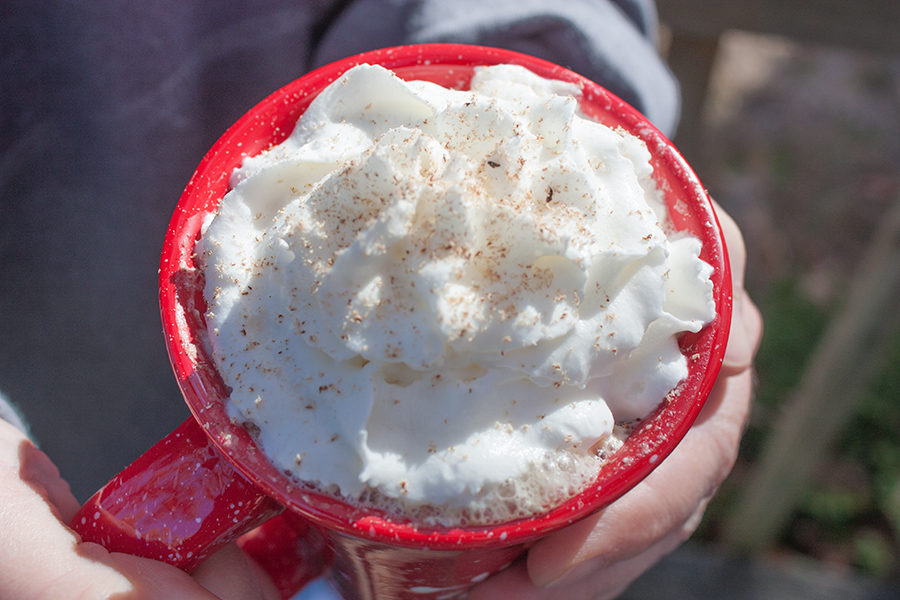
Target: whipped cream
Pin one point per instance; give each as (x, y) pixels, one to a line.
(429, 297)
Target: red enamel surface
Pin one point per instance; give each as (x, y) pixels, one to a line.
(178, 503)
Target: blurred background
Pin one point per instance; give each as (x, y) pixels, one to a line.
(792, 121)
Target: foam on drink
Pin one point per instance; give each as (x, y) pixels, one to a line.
(441, 302)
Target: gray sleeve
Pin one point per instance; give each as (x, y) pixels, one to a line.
(612, 42)
(10, 414)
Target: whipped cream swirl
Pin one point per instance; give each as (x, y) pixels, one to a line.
(448, 297)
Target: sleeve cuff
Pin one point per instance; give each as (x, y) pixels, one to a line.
(11, 414)
(611, 42)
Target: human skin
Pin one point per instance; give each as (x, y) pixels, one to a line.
(40, 557)
(600, 556)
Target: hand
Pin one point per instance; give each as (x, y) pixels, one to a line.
(40, 557)
(600, 556)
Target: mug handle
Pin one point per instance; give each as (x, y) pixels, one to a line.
(181, 501)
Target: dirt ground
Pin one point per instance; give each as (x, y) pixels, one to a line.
(803, 148)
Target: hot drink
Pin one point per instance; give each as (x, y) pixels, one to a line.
(449, 304)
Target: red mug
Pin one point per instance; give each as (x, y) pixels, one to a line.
(207, 483)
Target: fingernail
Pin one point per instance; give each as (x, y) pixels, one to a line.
(574, 573)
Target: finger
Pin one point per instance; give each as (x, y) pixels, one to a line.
(227, 575)
(597, 581)
(746, 322)
(663, 501)
(38, 554)
(231, 574)
(147, 579)
(734, 242)
(745, 336)
(591, 580)
(38, 471)
(40, 557)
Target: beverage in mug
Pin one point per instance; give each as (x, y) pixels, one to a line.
(454, 311)
(449, 304)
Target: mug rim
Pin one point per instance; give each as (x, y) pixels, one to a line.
(182, 305)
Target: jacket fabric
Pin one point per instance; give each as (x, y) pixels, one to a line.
(107, 107)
